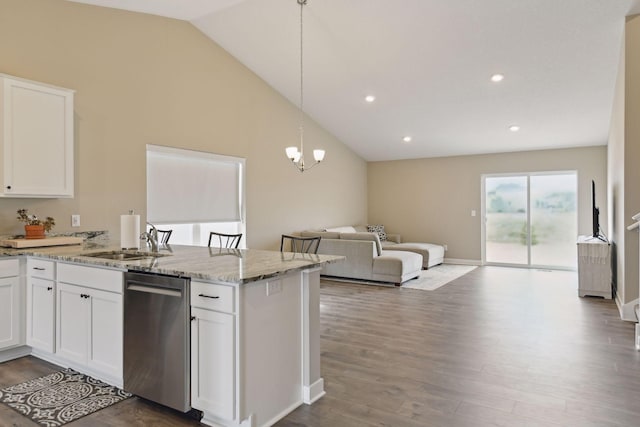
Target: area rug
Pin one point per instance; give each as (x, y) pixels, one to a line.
(59, 398)
(438, 276)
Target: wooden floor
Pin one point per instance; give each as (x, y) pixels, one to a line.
(497, 347)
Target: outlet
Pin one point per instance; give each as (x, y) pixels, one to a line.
(274, 287)
(446, 248)
(75, 220)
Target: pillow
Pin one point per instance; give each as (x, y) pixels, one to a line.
(372, 237)
(345, 229)
(379, 230)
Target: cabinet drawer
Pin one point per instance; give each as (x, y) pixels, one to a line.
(9, 267)
(212, 297)
(40, 268)
(91, 277)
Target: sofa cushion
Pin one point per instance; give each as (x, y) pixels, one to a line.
(431, 254)
(373, 237)
(397, 263)
(343, 229)
(323, 234)
(379, 230)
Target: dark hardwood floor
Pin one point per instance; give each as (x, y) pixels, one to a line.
(497, 347)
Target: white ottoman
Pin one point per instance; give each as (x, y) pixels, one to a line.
(431, 254)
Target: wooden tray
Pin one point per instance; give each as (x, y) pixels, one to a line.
(37, 243)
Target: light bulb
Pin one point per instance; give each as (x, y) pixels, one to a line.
(291, 152)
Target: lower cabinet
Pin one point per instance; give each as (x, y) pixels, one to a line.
(89, 321)
(41, 304)
(213, 354)
(10, 301)
(40, 314)
(212, 363)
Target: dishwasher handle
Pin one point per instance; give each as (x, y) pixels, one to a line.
(143, 287)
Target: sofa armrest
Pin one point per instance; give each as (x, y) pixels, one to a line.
(359, 254)
(396, 238)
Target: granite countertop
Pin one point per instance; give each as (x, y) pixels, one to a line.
(234, 266)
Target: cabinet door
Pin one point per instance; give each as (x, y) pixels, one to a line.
(213, 363)
(40, 314)
(38, 139)
(72, 322)
(105, 340)
(9, 312)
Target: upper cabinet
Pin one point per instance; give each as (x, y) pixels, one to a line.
(36, 131)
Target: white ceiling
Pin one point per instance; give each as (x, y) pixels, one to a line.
(428, 62)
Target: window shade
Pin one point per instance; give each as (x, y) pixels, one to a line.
(186, 186)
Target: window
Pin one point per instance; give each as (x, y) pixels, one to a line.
(194, 192)
(531, 219)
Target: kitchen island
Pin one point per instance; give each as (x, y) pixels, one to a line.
(255, 352)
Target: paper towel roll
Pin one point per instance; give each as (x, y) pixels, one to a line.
(130, 231)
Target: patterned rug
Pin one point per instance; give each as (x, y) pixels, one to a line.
(438, 276)
(59, 398)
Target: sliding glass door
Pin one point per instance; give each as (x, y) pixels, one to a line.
(531, 219)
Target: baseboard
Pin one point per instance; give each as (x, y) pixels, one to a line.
(462, 261)
(627, 311)
(313, 392)
(14, 353)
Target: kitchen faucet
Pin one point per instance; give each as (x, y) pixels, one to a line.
(151, 237)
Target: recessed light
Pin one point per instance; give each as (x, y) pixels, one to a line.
(406, 139)
(369, 98)
(514, 128)
(497, 78)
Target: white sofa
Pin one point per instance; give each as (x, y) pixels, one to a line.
(365, 258)
(432, 254)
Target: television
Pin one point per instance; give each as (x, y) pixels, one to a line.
(595, 212)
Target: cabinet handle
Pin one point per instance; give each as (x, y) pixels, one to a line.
(8, 187)
(207, 296)
(193, 318)
(39, 268)
(49, 288)
(84, 296)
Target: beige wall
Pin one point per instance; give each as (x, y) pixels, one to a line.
(615, 171)
(624, 150)
(431, 199)
(143, 79)
(632, 153)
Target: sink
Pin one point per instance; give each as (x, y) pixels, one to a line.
(123, 255)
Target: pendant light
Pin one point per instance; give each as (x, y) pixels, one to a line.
(297, 156)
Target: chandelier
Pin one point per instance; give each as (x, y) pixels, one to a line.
(297, 156)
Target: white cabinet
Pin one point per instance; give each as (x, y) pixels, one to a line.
(213, 367)
(212, 362)
(41, 304)
(89, 319)
(594, 267)
(36, 131)
(10, 312)
(72, 332)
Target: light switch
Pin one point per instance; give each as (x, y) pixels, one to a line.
(473, 213)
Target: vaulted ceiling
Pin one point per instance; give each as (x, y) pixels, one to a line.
(428, 63)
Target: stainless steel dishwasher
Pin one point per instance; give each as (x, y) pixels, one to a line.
(157, 339)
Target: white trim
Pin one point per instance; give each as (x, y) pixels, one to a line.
(14, 353)
(462, 261)
(313, 392)
(627, 311)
